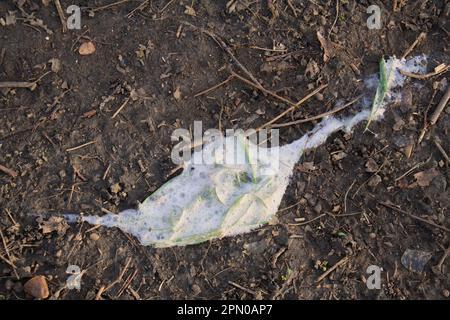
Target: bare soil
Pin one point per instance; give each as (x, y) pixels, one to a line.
(164, 63)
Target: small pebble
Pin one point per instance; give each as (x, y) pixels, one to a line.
(37, 287)
(446, 293)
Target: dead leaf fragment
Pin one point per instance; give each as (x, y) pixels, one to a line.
(327, 47)
(58, 224)
(424, 178)
(10, 19)
(190, 11)
(86, 48)
(177, 94)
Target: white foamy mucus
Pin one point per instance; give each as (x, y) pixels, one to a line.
(218, 200)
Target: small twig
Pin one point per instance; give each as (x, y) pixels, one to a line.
(214, 87)
(120, 108)
(319, 116)
(71, 195)
(234, 284)
(444, 154)
(98, 296)
(127, 283)
(394, 5)
(390, 206)
(337, 265)
(438, 267)
(23, 84)
(435, 116)
(119, 278)
(80, 146)
(9, 259)
(17, 84)
(335, 19)
(61, 15)
(227, 49)
(11, 217)
(419, 39)
(417, 165)
(290, 207)
(346, 195)
(139, 7)
(6, 248)
(106, 171)
(294, 10)
(309, 221)
(307, 97)
(426, 75)
(10, 172)
(276, 256)
(109, 5)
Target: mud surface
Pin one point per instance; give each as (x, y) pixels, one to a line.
(156, 63)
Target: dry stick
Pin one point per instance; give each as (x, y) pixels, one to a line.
(442, 260)
(319, 116)
(294, 10)
(61, 16)
(16, 84)
(308, 96)
(309, 221)
(11, 217)
(120, 108)
(335, 19)
(337, 265)
(234, 284)
(394, 5)
(273, 94)
(444, 154)
(413, 216)
(127, 283)
(98, 296)
(254, 82)
(346, 195)
(419, 39)
(139, 7)
(214, 87)
(106, 171)
(119, 278)
(424, 76)
(81, 146)
(227, 49)
(435, 116)
(6, 247)
(22, 84)
(11, 263)
(109, 5)
(10, 172)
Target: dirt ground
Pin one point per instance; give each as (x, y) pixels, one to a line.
(332, 214)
